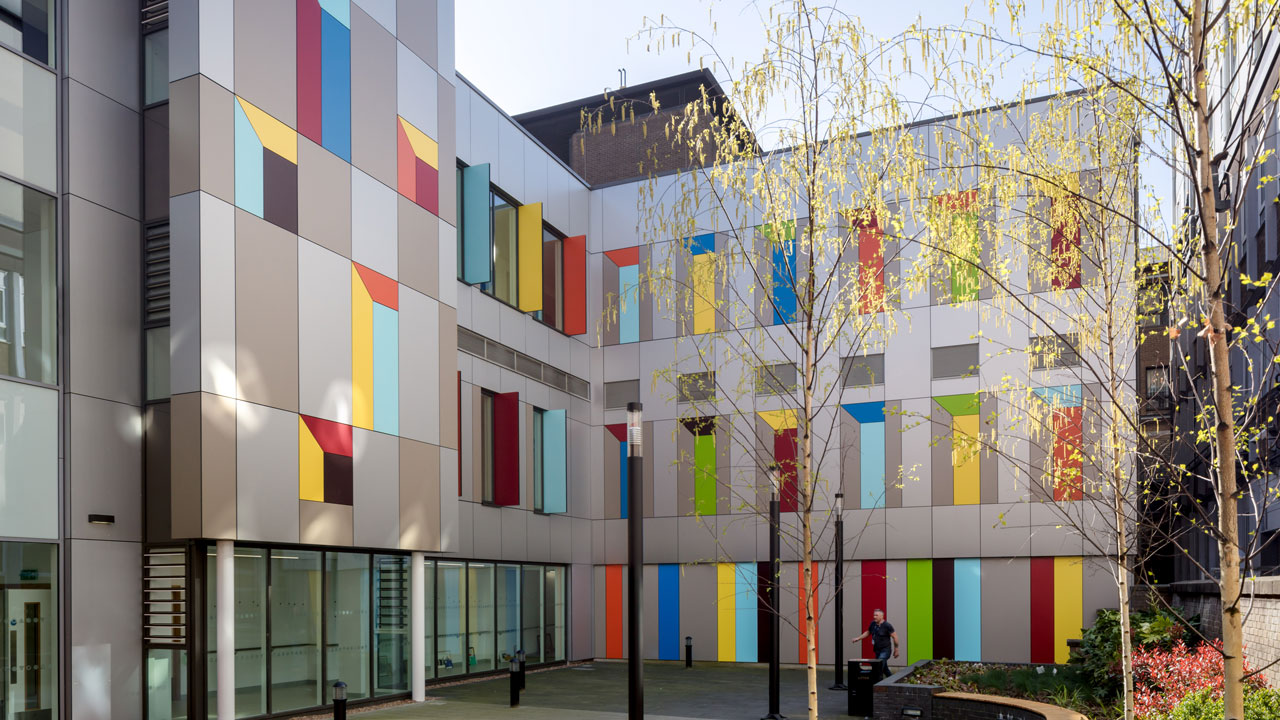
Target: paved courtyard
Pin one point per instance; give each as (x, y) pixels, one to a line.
(599, 690)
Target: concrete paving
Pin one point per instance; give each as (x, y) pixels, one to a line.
(709, 690)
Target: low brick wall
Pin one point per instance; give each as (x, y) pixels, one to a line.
(935, 703)
(1261, 608)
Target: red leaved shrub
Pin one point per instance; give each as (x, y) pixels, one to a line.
(1162, 678)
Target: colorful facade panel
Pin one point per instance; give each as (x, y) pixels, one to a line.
(324, 74)
(266, 166)
(417, 166)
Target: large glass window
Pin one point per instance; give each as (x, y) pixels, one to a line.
(27, 128)
(429, 595)
(346, 629)
(552, 312)
(391, 605)
(28, 284)
(250, 628)
(451, 591)
(531, 612)
(295, 630)
(166, 683)
(28, 460)
(505, 248)
(157, 363)
(508, 611)
(155, 60)
(25, 25)
(29, 653)
(480, 617)
(553, 609)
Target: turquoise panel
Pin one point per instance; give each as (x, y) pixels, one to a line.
(386, 369)
(248, 164)
(968, 604)
(555, 495)
(476, 241)
(871, 468)
(1061, 395)
(339, 9)
(746, 611)
(629, 307)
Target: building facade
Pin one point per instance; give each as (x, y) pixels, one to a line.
(317, 381)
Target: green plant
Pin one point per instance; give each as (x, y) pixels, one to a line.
(1259, 704)
(1098, 655)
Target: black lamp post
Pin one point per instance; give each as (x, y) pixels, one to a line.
(339, 701)
(635, 560)
(839, 685)
(775, 568)
(688, 651)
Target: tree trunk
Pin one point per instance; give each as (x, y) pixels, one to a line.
(1220, 371)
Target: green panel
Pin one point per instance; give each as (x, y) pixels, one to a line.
(919, 610)
(704, 474)
(960, 405)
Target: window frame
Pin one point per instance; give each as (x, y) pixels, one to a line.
(536, 462)
(487, 446)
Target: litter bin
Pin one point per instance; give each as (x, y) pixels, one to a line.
(864, 673)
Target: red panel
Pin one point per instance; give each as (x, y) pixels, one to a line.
(944, 608)
(382, 289)
(619, 431)
(874, 597)
(333, 438)
(309, 123)
(459, 435)
(406, 177)
(428, 186)
(625, 256)
(1064, 251)
(506, 437)
(871, 267)
(1068, 463)
(1041, 610)
(784, 453)
(803, 616)
(575, 285)
(613, 611)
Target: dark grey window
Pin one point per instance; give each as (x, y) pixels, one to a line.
(155, 64)
(696, 387)
(862, 370)
(955, 361)
(1050, 351)
(618, 394)
(778, 379)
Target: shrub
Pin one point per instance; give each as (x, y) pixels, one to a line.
(1099, 653)
(1163, 678)
(1259, 704)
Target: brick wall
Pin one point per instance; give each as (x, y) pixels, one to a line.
(956, 709)
(1261, 607)
(630, 149)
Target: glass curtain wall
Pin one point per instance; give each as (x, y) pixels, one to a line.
(295, 629)
(251, 632)
(28, 283)
(531, 615)
(505, 261)
(480, 617)
(451, 591)
(29, 653)
(391, 605)
(507, 603)
(553, 609)
(346, 583)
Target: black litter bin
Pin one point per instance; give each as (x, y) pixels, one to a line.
(864, 673)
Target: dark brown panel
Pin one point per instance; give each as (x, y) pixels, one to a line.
(279, 191)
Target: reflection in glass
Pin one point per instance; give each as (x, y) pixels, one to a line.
(166, 684)
(391, 624)
(26, 26)
(508, 615)
(430, 615)
(28, 127)
(251, 631)
(28, 284)
(158, 363)
(531, 612)
(295, 629)
(505, 262)
(29, 653)
(451, 658)
(480, 656)
(155, 58)
(347, 622)
(553, 607)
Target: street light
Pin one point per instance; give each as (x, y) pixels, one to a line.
(339, 701)
(775, 568)
(635, 559)
(839, 684)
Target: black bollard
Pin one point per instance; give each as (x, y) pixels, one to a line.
(339, 701)
(515, 683)
(688, 651)
(520, 657)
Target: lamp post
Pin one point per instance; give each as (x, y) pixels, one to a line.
(775, 627)
(635, 560)
(839, 685)
(339, 701)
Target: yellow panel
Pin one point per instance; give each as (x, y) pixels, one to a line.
(273, 134)
(423, 146)
(779, 419)
(361, 353)
(726, 618)
(310, 465)
(1068, 604)
(702, 277)
(964, 459)
(530, 241)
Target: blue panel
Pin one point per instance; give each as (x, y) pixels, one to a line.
(871, 468)
(629, 307)
(746, 612)
(622, 479)
(335, 85)
(968, 603)
(555, 495)
(668, 612)
(248, 164)
(475, 225)
(1061, 395)
(871, 412)
(784, 292)
(340, 10)
(386, 369)
(702, 244)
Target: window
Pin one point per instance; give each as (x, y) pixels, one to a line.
(536, 460)
(29, 603)
(155, 61)
(25, 25)
(778, 379)
(552, 312)
(618, 394)
(862, 370)
(346, 629)
(486, 446)
(391, 605)
(28, 284)
(696, 387)
(956, 361)
(295, 630)
(1053, 351)
(505, 265)
(157, 363)
(1158, 382)
(28, 128)
(480, 618)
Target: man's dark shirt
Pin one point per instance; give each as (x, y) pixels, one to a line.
(880, 633)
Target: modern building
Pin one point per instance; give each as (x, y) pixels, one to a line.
(314, 382)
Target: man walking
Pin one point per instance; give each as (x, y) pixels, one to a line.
(883, 639)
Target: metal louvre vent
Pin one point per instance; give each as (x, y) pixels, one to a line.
(499, 354)
(164, 596)
(155, 271)
(155, 13)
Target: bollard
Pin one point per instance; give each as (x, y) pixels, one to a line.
(515, 683)
(339, 701)
(688, 651)
(520, 657)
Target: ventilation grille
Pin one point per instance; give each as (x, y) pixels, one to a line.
(164, 596)
(499, 354)
(155, 270)
(155, 14)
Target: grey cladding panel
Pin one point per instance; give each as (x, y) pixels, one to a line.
(955, 361)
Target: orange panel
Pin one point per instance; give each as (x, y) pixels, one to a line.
(624, 257)
(382, 289)
(1068, 462)
(575, 285)
(613, 611)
